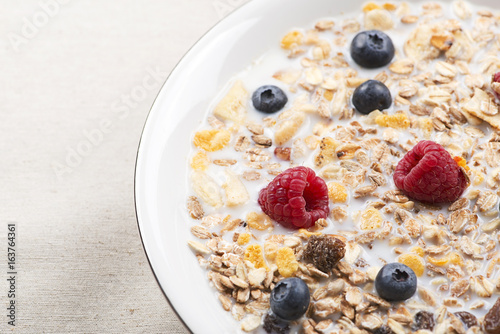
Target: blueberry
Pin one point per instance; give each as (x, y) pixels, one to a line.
(395, 282)
(371, 95)
(372, 49)
(269, 99)
(290, 298)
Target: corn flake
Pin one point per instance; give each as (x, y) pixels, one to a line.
(415, 262)
(371, 219)
(292, 40)
(418, 250)
(259, 221)
(396, 121)
(243, 238)
(389, 6)
(337, 192)
(453, 258)
(200, 161)
(253, 253)
(370, 6)
(425, 123)
(286, 262)
(211, 140)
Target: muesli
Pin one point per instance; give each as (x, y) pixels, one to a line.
(348, 182)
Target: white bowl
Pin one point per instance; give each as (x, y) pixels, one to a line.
(161, 173)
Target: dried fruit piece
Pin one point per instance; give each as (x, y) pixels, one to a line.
(467, 318)
(442, 42)
(337, 192)
(462, 163)
(206, 188)
(275, 325)
(423, 320)
(492, 319)
(383, 330)
(324, 252)
(236, 192)
(286, 262)
(283, 153)
(233, 105)
(211, 140)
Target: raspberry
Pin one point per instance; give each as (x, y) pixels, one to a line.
(429, 174)
(495, 84)
(296, 198)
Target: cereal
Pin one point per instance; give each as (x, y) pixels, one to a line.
(370, 6)
(371, 219)
(337, 192)
(211, 140)
(292, 40)
(286, 262)
(206, 188)
(200, 161)
(259, 221)
(397, 121)
(413, 261)
(244, 238)
(442, 90)
(253, 253)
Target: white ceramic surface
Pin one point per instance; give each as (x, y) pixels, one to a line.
(160, 185)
